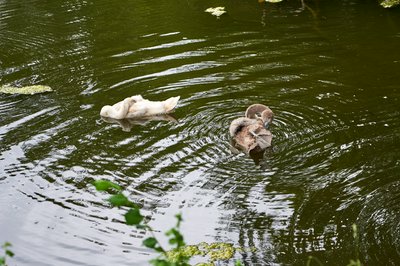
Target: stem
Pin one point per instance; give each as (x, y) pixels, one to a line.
(310, 258)
(154, 236)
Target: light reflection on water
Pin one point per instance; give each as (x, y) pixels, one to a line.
(334, 161)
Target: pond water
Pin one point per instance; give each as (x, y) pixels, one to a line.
(329, 71)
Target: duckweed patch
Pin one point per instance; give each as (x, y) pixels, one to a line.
(390, 3)
(34, 89)
(213, 252)
(216, 11)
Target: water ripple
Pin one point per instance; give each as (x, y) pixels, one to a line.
(334, 159)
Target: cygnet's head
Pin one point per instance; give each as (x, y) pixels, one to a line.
(105, 110)
(260, 111)
(267, 116)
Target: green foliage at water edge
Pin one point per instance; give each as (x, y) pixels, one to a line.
(179, 254)
(7, 253)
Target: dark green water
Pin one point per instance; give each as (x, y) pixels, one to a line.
(332, 77)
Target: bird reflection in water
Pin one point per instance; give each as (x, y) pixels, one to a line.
(127, 123)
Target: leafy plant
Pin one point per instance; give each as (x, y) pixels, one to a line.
(133, 217)
(7, 251)
(178, 253)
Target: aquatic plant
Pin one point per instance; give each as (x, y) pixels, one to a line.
(133, 217)
(216, 11)
(25, 90)
(7, 253)
(220, 10)
(213, 251)
(179, 254)
(390, 3)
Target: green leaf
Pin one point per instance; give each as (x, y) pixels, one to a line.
(177, 238)
(118, 200)
(150, 242)
(171, 231)
(2, 261)
(159, 249)
(238, 263)
(179, 219)
(103, 185)
(143, 226)
(9, 253)
(133, 217)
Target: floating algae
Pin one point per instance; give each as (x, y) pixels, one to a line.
(390, 3)
(214, 252)
(216, 11)
(25, 90)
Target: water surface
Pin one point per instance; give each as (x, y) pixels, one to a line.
(329, 71)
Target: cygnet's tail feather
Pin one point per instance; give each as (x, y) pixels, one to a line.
(171, 103)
